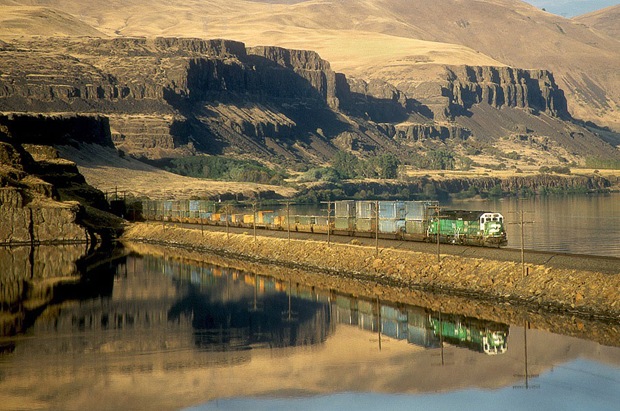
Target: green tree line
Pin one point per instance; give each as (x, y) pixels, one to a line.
(224, 168)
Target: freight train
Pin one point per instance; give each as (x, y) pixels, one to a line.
(404, 220)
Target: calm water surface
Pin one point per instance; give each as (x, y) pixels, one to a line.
(159, 332)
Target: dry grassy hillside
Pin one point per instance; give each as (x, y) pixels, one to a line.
(402, 41)
(42, 21)
(605, 21)
(104, 169)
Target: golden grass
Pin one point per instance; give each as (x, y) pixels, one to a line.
(104, 169)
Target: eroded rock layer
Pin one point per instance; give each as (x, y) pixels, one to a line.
(171, 97)
(30, 208)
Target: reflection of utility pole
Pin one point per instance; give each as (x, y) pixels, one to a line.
(256, 306)
(443, 362)
(379, 322)
(527, 375)
(289, 299)
(442, 353)
(290, 314)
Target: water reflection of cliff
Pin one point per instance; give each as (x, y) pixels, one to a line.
(32, 278)
(231, 310)
(146, 303)
(164, 333)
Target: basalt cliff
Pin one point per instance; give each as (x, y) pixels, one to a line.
(171, 97)
(43, 198)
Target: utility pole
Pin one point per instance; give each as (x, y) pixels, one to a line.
(329, 212)
(254, 218)
(227, 210)
(438, 216)
(522, 255)
(288, 219)
(200, 214)
(522, 235)
(377, 228)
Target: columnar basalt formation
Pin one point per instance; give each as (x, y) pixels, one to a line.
(419, 132)
(308, 65)
(504, 87)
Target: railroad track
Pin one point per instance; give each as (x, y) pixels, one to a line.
(602, 264)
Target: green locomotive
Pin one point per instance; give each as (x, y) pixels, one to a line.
(467, 227)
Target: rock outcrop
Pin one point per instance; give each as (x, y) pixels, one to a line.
(506, 86)
(418, 132)
(172, 97)
(32, 186)
(499, 87)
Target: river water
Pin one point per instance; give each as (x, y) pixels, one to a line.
(155, 331)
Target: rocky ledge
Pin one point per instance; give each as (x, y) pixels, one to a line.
(584, 294)
(43, 198)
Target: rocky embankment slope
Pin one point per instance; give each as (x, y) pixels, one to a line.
(580, 293)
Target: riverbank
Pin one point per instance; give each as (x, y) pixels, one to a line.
(581, 293)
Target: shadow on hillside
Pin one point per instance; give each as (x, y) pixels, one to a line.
(253, 84)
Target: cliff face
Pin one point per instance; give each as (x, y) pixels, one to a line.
(156, 91)
(307, 65)
(171, 97)
(499, 87)
(33, 184)
(505, 87)
(418, 132)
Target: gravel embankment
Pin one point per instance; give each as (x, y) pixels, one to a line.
(581, 293)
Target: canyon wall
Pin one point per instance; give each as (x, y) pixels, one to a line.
(33, 185)
(168, 97)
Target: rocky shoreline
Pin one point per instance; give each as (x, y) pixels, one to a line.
(582, 294)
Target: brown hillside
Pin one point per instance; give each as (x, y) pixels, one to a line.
(382, 38)
(19, 21)
(605, 21)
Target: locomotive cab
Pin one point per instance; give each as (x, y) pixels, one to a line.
(492, 226)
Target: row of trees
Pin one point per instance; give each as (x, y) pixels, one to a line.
(347, 166)
(224, 168)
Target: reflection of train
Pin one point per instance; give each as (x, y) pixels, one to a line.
(293, 314)
(423, 327)
(407, 220)
(489, 338)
